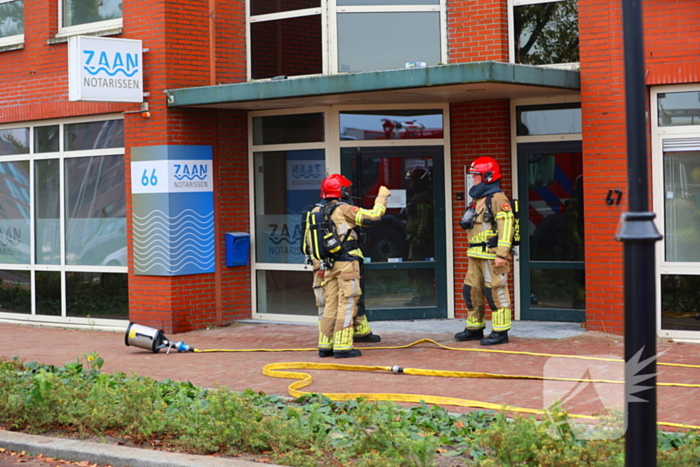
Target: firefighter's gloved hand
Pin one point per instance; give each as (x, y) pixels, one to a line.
(384, 191)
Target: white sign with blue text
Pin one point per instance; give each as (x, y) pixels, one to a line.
(102, 69)
(171, 176)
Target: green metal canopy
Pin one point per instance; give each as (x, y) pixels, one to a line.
(442, 84)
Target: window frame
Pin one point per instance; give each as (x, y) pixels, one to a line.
(62, 268)
(329, 11)
(93, 27)
(511, 33)
(17, 38)
(659, 134)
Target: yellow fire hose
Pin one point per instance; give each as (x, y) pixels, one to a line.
(305, 379)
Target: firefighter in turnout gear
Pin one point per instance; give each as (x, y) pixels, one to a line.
(490, 235)
(338, 288)
(420, 234)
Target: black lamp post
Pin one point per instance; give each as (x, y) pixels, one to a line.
(638, 232)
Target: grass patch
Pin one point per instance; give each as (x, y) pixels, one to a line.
(312, 431)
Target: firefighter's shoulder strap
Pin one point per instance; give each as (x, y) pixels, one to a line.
(320, 239)
(515, 208)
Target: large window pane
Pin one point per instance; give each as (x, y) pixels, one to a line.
(289, 47)
(558, 288)
(286, 183)
(399, 288)
(14, 212)
(555, 203)
(281, 129)
(48, 293)
(15, 292)
(682, 213)
(361, 37)
(94, 135)
(679, 108)
(286, 292)
(680, 296)
(76, 12)
(97, 295)
(47, 212)
(263, 7)
(95, 210)
(555, 120)
(11, 18)
(15, 141)
(546, 33)
(391, 124)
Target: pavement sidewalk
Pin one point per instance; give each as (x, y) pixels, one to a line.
(532, 350)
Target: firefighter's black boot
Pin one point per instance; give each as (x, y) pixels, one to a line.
(371, 337)
(347, 354)
(495, 338)
(470, 335)
(325, 353)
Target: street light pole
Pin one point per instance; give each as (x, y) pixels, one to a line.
(638, 232)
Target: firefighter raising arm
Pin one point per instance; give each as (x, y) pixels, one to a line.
(368, 217)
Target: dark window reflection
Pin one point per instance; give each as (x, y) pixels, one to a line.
(289, 47)
(12, 15)
(679, 108)
(48, 293)
(262, 7)
(555, 198)
(391, 124)
(399, 288)
(15, 292)
(14, 141)
(97, 295)
(554, 120)
(546, 33)
(282, 129)
(46, 138)
(680, 302)
(405, 233)
(558, 288)
(285, 292)
(94, 135)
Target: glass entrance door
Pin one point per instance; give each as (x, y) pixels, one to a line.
(552, 274)
(405, 262)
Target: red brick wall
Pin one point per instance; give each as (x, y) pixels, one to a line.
(477, 30)
(605, 160)
(672, 48)
(478, 129)
(672, 41)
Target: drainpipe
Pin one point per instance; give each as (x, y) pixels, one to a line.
(638, 232)
(212, 42)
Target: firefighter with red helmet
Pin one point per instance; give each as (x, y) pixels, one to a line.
(338, 289)
(490, 235)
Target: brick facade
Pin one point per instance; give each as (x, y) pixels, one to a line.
(179, 36)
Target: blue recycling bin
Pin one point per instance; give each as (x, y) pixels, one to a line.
(237, 248)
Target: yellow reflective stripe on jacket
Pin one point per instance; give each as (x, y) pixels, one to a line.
(505, 226)
(366, 217)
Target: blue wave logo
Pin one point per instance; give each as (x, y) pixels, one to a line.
(174, 245)
(190, 171)
(308, 170)
(111, 64)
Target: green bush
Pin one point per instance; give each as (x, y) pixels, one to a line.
(312, 431)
